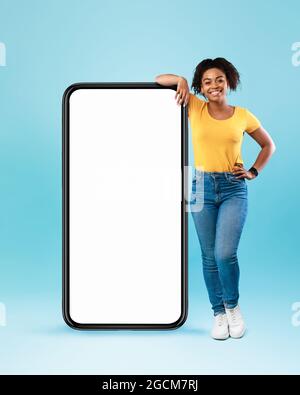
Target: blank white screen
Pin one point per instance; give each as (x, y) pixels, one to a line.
(125, 206)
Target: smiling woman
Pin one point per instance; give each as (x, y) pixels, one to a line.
(212, 78)
(220, 182)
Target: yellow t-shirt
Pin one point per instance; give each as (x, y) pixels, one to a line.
(217, 143)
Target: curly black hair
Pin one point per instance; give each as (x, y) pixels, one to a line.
(232, 75)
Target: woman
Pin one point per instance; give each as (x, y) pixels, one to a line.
(219, 189)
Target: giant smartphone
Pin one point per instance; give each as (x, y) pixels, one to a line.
(124, 221)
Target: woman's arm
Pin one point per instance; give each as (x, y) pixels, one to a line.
(182, 86)
(262, 137)
(168, 79)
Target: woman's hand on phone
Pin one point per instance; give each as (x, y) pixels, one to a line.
(182, 94)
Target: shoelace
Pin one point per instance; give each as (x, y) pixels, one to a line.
(220, 319)
(233, 315)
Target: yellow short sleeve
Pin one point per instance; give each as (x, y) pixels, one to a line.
(252, 123)
(194, 103)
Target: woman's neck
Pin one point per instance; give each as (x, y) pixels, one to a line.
(218, 106)
(220, 110)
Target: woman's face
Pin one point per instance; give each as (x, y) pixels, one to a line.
(214, 84)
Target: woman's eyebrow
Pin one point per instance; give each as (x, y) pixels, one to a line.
(211, 78)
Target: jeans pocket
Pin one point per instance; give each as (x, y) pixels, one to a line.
(234, 180)
(194, 185)
(196, 182)
(197, 192)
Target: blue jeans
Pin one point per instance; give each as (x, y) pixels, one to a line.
(220, 204)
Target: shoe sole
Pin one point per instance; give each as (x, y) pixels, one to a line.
(220, 338)
(238, 337)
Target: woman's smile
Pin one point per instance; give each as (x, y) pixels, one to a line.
(215, 92)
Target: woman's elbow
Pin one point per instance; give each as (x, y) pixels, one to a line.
(272, 147)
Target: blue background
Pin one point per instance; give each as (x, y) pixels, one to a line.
(50, 45)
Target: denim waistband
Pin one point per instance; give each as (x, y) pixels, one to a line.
(212, 172)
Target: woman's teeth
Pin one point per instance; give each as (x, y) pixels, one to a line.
(215, 93)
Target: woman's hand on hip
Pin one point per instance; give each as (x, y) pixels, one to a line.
(241, 172)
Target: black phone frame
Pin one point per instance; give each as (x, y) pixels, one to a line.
(65, 209)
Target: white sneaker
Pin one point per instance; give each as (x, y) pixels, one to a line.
(236, 322)
(220, 327)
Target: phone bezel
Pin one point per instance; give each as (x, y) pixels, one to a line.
(65, 209)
